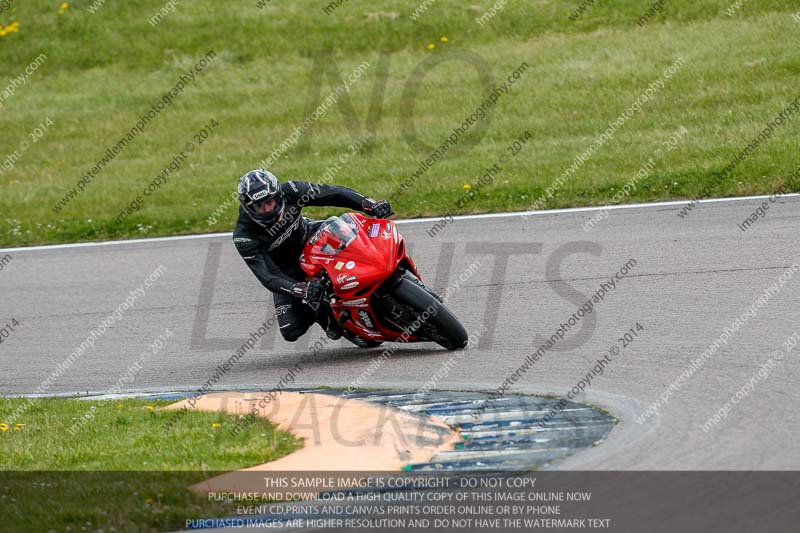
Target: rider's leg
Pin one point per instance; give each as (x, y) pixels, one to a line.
(294, 317)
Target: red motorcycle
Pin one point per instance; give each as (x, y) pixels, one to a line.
(373, 288)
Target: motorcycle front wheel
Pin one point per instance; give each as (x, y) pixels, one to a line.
(441, 325)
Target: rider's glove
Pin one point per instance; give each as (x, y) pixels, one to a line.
(311, 292)
(299, 290)
(377, 208)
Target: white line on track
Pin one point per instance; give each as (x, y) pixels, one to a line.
(405, 221)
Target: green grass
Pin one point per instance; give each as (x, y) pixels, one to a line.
(105, 69)
(119, 468)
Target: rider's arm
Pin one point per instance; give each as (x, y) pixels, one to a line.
(325, 195)
(262, 265)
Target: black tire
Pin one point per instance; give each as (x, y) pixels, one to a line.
(448, 330)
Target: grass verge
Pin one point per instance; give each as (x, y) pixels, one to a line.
(273, 64)
(119, 465)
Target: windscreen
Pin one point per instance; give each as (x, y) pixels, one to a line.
(339, 232)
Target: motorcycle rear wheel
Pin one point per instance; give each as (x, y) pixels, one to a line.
(447, 329)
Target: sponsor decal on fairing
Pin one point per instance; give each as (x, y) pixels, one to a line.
(365, 319)
(355, 303)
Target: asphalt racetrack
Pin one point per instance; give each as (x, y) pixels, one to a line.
(691, 278)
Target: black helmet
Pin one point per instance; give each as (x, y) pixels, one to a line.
(256, 189)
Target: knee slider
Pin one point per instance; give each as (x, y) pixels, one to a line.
(293, 332)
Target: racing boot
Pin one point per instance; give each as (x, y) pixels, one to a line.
(332, 328)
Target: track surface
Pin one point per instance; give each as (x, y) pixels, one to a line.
(693, 278)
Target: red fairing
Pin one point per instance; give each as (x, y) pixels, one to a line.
(358, 253)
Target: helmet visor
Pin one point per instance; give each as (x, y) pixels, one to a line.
(265, 206)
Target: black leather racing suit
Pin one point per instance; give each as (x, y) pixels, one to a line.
(273, 254)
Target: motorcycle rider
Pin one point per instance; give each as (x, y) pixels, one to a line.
(270, 235)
